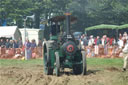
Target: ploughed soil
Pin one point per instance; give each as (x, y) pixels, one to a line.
(34, 75)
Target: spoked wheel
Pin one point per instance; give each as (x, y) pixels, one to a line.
(57, 69)
(84, 66)
(47, 69)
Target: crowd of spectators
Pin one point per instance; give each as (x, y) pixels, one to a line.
(99, 46)
(104, 46)
(16, 49)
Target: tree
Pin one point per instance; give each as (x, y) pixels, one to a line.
(88, 12)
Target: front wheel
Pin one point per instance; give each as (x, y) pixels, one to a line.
(84, 70)
(81, 68)
(77, 69)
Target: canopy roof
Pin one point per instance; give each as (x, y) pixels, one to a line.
(102, 26)
(123, 26)
(7, 31)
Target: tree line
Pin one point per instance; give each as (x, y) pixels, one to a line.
(88, 12)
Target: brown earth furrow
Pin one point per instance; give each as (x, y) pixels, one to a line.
(25, 78)
(35, 76)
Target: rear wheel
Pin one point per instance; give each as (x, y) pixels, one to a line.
(57, 64)
(47, 68)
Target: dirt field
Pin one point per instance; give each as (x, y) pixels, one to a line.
(32, 74)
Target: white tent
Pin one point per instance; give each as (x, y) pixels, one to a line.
(10, 32)
(31, 34)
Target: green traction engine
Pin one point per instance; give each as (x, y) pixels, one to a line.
(62, 50)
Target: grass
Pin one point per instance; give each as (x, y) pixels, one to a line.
(10, 62)
(105, 61)
(90, 62)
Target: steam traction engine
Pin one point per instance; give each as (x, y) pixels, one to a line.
(62, 50)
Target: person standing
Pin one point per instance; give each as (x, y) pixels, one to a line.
(125, 55)
(91, 41)
(125, 37)
(91, 45)
(16, 45)
(106, 43)
(2, 43)
(97, 43)
(7, 43)
(120, 36)
(20, 43)
(34, 48)
(120, 43)
(40, 48)
(33, 45)
(11, 51)
(2, 47)
(28, 49)
(85, 41)
(11, 44)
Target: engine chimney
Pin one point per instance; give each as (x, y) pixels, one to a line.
(68, 23)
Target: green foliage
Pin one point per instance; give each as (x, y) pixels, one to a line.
(15, 9)
(88, 12)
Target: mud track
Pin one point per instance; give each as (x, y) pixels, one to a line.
(35, 76)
